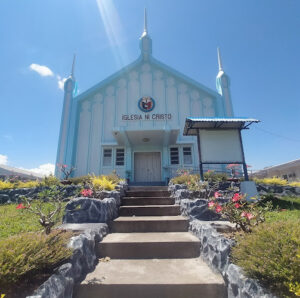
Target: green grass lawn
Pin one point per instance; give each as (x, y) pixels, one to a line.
(15, 221)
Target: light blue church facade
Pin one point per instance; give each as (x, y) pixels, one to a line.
(133, 121)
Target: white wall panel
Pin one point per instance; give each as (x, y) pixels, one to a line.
(220, 146)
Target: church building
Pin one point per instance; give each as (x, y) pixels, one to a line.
(132, 122)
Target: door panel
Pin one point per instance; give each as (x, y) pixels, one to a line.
(147, 166)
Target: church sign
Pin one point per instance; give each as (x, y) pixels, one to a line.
(146, 117)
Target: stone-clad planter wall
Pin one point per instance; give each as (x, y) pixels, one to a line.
(15, 195)
(83, 260)
(264, 189)
(215, 248)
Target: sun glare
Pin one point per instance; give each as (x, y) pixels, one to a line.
(114, 30)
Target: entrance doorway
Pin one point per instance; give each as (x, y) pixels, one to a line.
(147, 167)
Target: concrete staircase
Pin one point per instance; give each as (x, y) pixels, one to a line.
(151, 253)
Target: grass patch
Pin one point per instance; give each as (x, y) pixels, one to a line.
(27, 256)
(15, 221)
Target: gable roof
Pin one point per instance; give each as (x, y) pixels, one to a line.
(131, 66)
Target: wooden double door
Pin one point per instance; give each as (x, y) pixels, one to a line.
(147, 166)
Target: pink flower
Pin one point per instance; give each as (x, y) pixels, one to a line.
(21, 206)
(64, 166)
(218, 208)
(86, 192)
(237, 205)
(249, 216)
(243, 214)
(236, 197)
(185, 173)
(208, 171)
(217, 194)
(211, 204)
(189, 182)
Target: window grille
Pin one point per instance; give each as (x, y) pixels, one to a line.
(120, 157)
(174, 156)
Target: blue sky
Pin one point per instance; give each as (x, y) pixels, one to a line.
(259, 41)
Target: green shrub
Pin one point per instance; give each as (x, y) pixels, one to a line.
(113, 177)
(49, 181)
(185, 179)
(271, 254)
(80, 180)
(212, 176)
(27, 184)
(30, 254)
(102, 183)
(6, 185)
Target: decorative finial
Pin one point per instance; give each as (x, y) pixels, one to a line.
(73, 66)
(219, 60)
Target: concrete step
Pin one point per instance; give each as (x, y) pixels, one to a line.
(154, 278)
(150, 210)
(149, 246)
(139, 224)
(147, 188)
(133, 201)
(148, 193)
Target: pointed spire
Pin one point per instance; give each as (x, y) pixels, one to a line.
(145, 32)
(219, 60)
(73, 66)
(145, 21)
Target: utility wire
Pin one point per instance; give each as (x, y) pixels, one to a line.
(277, 135)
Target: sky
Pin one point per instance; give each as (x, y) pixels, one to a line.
(259, 42)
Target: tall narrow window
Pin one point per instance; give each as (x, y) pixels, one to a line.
(174, 156)
(107, 157)
(187, 155)
(120, 157)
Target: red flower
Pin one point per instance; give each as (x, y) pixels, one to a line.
(236, 197)
(217, 194)
(237, 205)
(21, 206)
(218, 208)
(249, 216)
(211, 204)
(232, 165)
(86, 192)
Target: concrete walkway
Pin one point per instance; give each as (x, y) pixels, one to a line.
(151, 253)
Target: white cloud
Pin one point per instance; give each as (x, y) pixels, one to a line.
(3, 159)
(42, 70)
(44, 169)
(61, 82)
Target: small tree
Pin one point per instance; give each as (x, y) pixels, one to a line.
(64, 169)
(48, 217)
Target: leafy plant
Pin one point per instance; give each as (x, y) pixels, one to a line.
(113, 177)
(6, 185)
(102, 183)
(271, 254)
(28, 254)
(239, 211)
(272, 181)
(83, 180)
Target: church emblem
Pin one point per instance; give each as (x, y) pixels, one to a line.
(146, 104)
